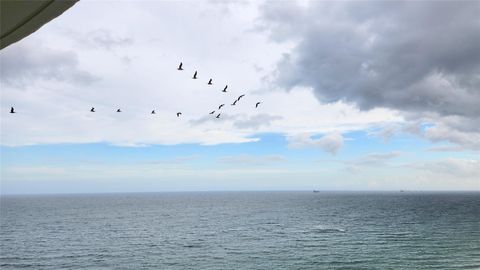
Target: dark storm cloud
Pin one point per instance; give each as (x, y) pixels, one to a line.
(420, 56)
(416, 57)
(24, 63)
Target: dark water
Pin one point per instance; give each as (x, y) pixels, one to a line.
(242, 230)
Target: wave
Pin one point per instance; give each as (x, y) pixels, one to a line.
(325, 229)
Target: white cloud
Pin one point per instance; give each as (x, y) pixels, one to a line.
(102, 38)
(459, 168)
(371, 161)
(255, 121)
(252, 160)
(330, 142)
(155, 37)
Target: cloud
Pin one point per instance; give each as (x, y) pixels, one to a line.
(446, 148)
(26, 62)
(252, 160)
(330, 142)
(175, 161)
(386, 131)
(53, 102)
(418, 58)
(375, 159)
(240, 121)
(256, 121)
(102, 38)
(38, 170)
(372, 160)
(462, 131)
(461, 168)
(224, 117)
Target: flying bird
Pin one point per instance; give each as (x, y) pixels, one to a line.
(118, 110)
(256, 105)
(234, 103)
(195, 75)
(92, 109)
(178, 114)
(240, 97)
(212, 112)
(180, 66)
(225, 89)
(12, 110)
(210, 82)
(218, 116)
(153, 112)
(219, 107)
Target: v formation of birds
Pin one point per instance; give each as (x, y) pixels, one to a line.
(180, 68)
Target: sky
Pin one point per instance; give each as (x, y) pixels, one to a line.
(355, 96)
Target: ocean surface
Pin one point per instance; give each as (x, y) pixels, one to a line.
(241, 230)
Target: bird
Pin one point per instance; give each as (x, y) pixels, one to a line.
(153, 112)
(180, 66)
(195, 75)
(92, 109)
(12, 110)
(210, 82)
(256, 105)
(118, 110)
(218, 116)
(219, 107)
(225, 89)
(234, 103)
(240, 97)
(212, 112)
(178, 114)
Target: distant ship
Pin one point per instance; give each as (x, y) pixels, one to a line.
(316, 191)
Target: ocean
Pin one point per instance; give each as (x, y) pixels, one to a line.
(241, 230)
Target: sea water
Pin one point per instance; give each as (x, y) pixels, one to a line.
(241, 230)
